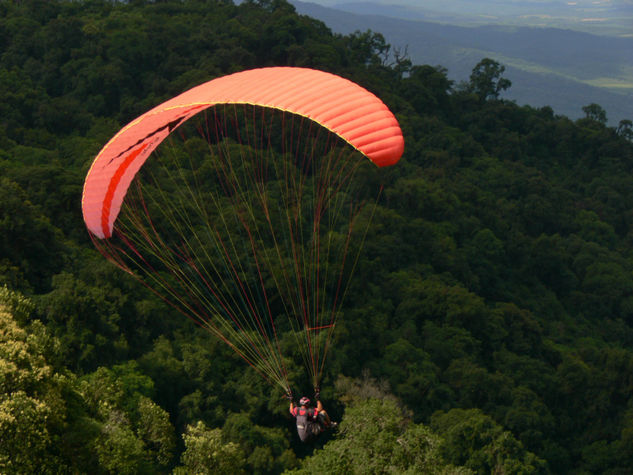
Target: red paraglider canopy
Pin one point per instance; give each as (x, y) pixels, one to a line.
(341, 106)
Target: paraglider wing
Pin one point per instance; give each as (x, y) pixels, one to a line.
(253, 238)
(343, 107)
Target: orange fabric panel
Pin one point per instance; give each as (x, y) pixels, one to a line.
(343, 107)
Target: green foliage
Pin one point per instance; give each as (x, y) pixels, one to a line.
(476, 441)
(86, 319)
(31, 249)
(15, 304)
(207, 453)
(267, 447)
(486, 80)
(493, 295)
(376, 437)
(32, 408)
(135, 434)
(595, 113)
(117, 448)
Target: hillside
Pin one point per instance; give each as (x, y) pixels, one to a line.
(547, 66)
(488, 323)
(597, 17)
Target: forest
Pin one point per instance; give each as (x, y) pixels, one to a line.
(488, 327)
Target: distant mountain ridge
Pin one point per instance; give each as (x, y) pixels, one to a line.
(601, 17)
(564, 69)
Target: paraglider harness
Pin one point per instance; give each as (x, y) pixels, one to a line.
(309, 422)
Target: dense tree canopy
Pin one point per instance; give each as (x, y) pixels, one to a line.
(489, 324)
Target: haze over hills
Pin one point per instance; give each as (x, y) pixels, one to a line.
(564, 69)
(593, 16)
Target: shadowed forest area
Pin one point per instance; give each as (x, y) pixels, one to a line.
(489, 324)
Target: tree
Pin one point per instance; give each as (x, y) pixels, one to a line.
(410, 372)
(135, 434)
(117, 448)
(486, 79)
(368, 47)
(266, 446)
(86, 319)
(32, 409)
(28, 241)
(427, 88)
(625, 129)
(377, 437)
(155, 430)
(595, 112)
(207, 453)
(475, 440)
